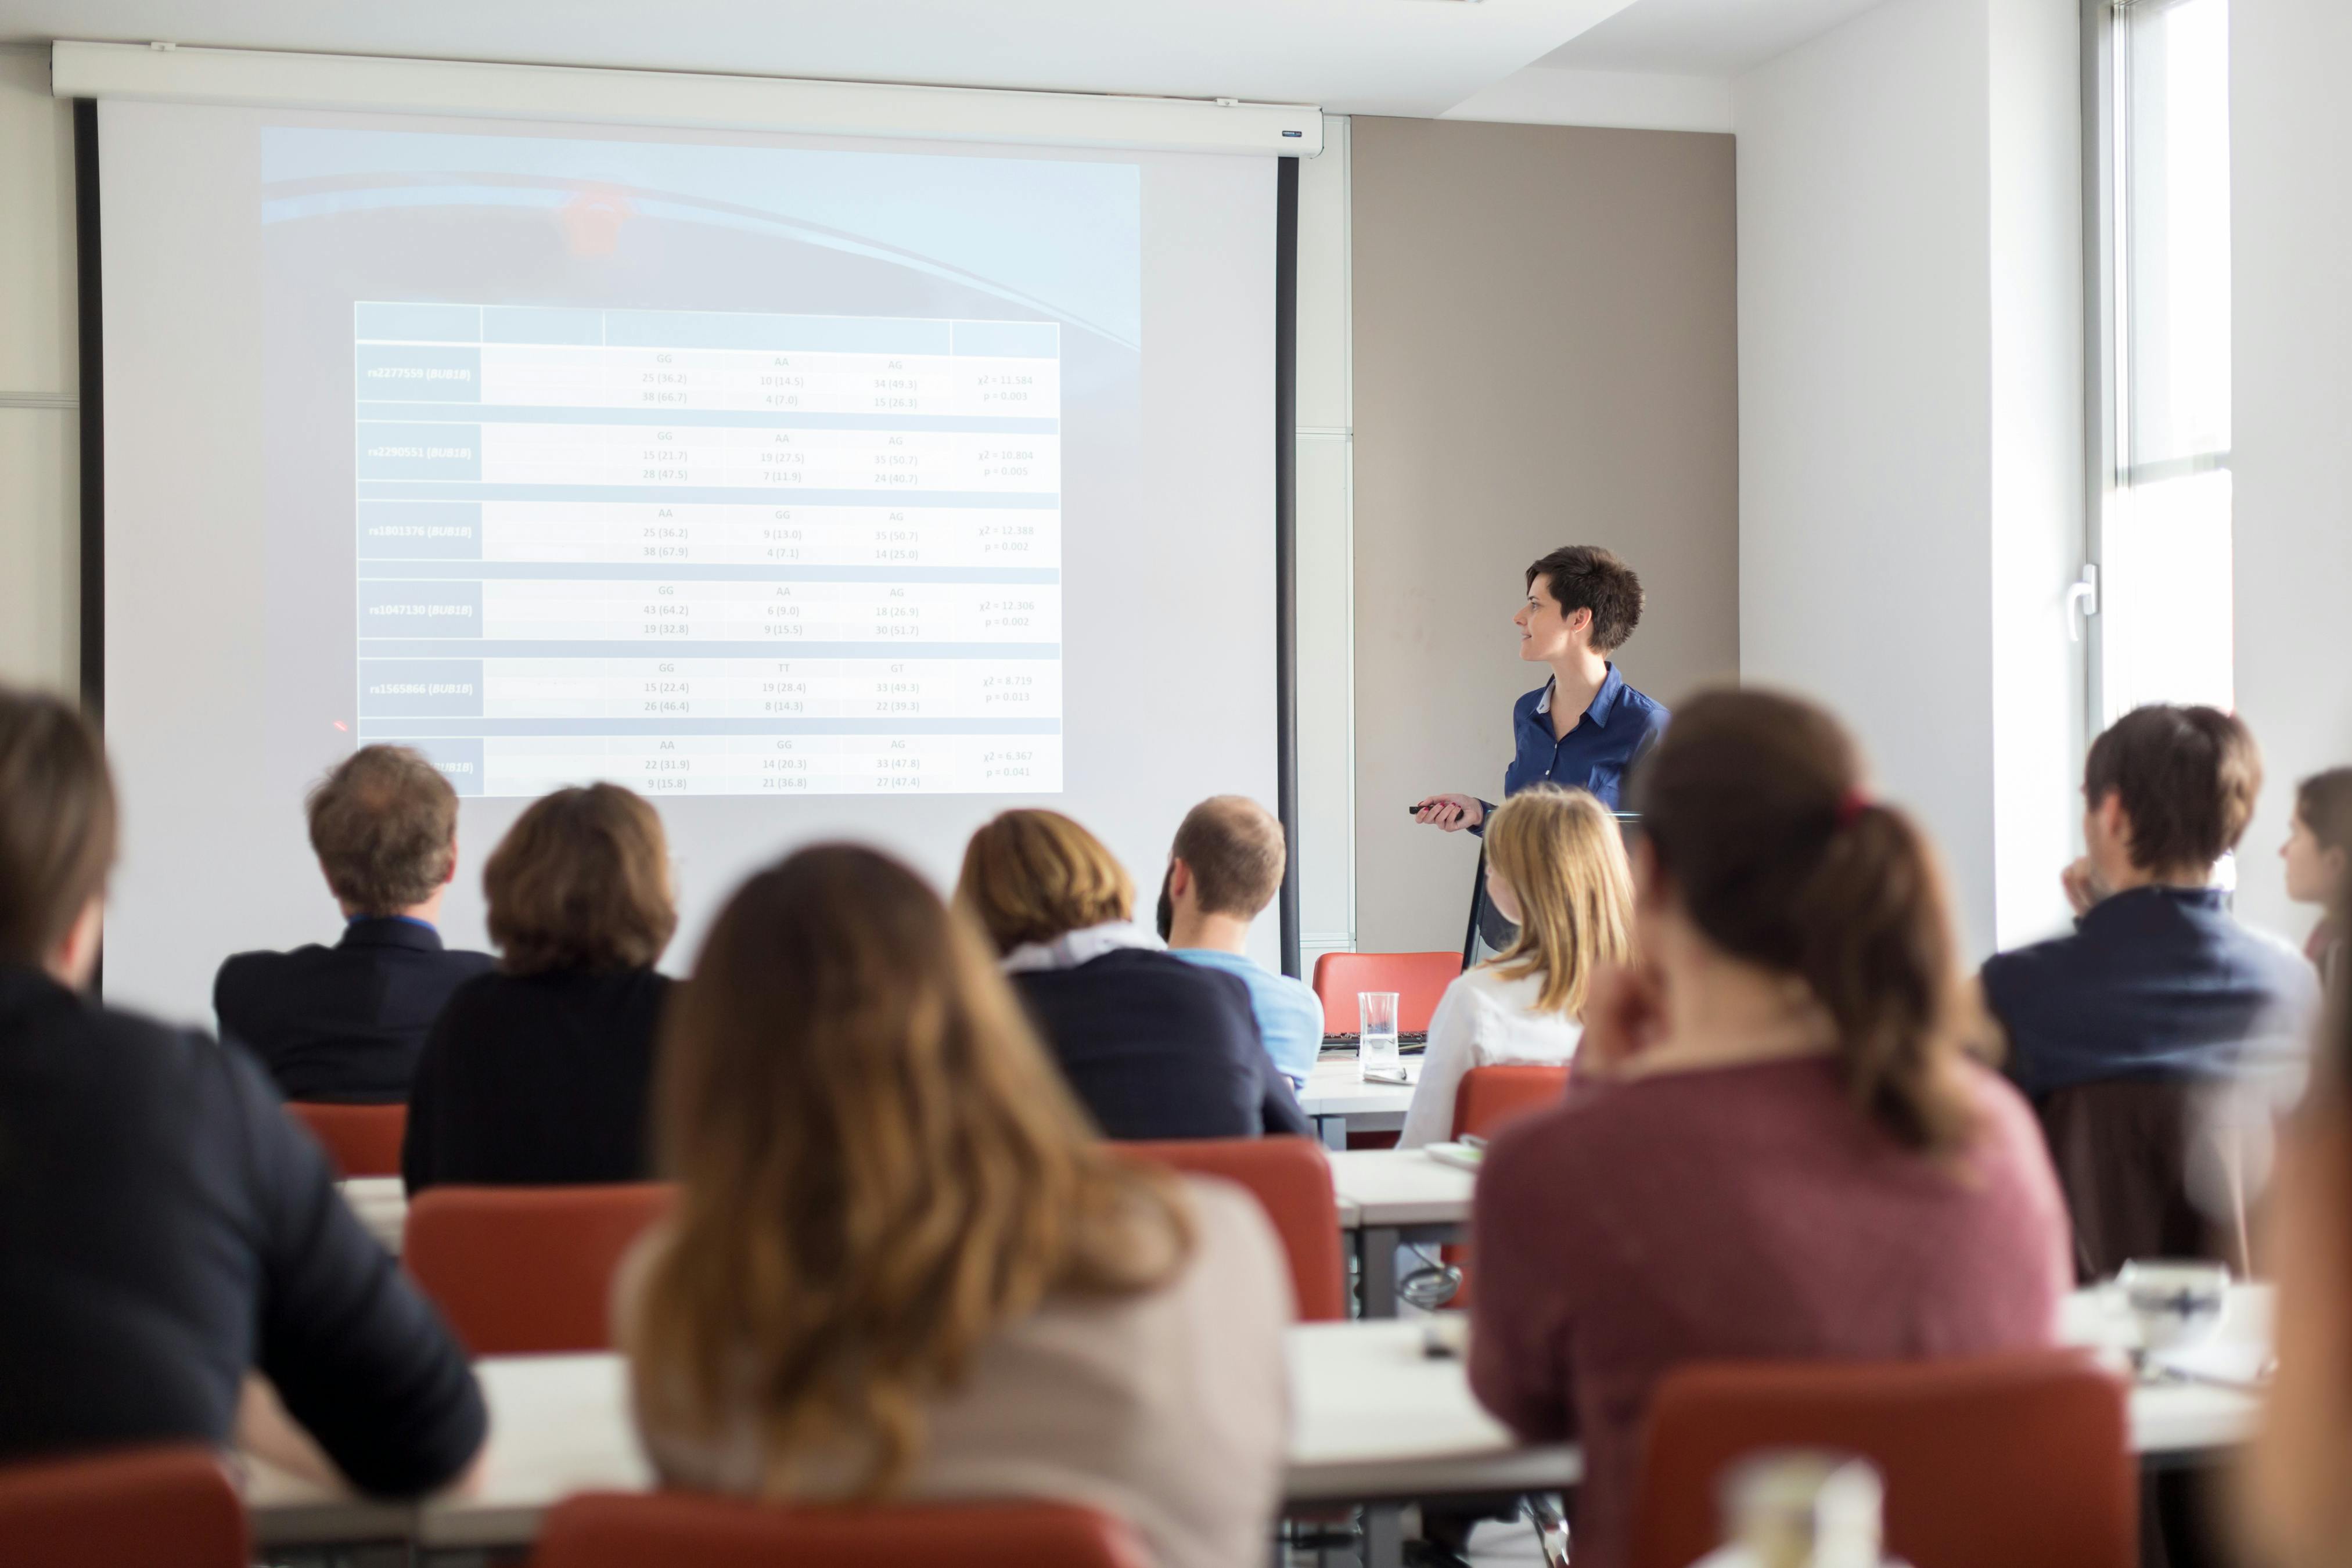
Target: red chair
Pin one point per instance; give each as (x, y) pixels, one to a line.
(2024, 1459)
(1419, 979)
(361, 1139)
(1291, 1180)
(152, 1507)
(677, 1530)
(519, 1270)
(1486, 1098)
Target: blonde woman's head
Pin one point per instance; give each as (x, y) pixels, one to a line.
(1556, 856)
(1032, 876)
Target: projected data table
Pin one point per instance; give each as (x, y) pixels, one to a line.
(707, 553)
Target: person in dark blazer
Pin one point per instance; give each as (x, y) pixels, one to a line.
(343, 1024)
(167, 1234)
(1155, 1046)
(539, 1074)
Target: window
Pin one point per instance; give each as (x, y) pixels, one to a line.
(2159, 211)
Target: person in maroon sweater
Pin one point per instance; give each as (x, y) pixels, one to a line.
(1777, 1146)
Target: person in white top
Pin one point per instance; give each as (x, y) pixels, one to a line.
(902, 1266)
(1556, 865)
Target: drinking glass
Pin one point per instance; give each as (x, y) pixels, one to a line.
(1376, 1031)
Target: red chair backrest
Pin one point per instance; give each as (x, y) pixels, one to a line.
(1419, 979)
(1488, 1096)
(1292, 1181)
(2024, 1459)
(142, 1508)
(361, 1139)
(518, 1270)
(679, 1529)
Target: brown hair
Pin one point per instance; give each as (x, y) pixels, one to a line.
(385, 824)
(56, 822)
(1752, 805)
(2323, 801)
(1587, 577)
(1562, 855)
(1032, 876)
(879, 1166)
(581, 881)
(1235, 849)
(2187, 778)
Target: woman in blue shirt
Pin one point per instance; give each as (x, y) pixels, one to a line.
(1584, 728)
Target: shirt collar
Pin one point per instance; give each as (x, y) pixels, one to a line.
(349, 920)
(1602, 700)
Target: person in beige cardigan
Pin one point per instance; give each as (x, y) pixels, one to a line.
(903, 1265)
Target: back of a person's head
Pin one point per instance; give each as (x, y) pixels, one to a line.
(1562, 855)
(1587, 577)
(1753, 805)
(57, 823)
(581, 881)
(2187, 778)
(2323, 801)
(880, 1167)
(1235, 849)
(1032, 876)
(384, 825)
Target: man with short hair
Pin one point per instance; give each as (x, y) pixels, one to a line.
(166, 1231)
(2159, 993)
(345, 1023)
(1224, 868)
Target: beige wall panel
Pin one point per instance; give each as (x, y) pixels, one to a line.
(1545, 352)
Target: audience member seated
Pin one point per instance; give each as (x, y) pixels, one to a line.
(2318, 854)
(539, 1074)
(1224, 868)
(345, 1023)
(1556, 870)
(1156, 1048)
(2297, 1478)
(2132, 1033)
(1775, 1145)
(901, 1266)
(165, 1231)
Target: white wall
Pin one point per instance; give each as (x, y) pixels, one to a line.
(39, 452)
(2290, 230)
(1909, 395)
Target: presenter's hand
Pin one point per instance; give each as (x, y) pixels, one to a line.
(1452, 812)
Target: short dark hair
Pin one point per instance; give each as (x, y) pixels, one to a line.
(1235, 849)
(1587, 577)
(56, 822)
(581, 881)
(2323, 801)
(2187, 778)
(384, 824)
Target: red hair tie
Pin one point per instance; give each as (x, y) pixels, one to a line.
(1851, 805)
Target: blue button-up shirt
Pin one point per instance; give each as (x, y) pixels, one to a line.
(1620, 725)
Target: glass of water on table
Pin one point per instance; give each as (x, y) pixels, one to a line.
(1376, 1033)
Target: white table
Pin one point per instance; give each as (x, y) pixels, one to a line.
(1373, 1420)
(381, 1206)
(1336, 1097)
(1388, 1197)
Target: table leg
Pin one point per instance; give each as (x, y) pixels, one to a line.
(1376, 1267)
(1334, 1132)
(1383, 1535)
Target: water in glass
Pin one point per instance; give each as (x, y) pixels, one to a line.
(1376, 1031)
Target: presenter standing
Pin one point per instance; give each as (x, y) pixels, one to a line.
(1584, 728)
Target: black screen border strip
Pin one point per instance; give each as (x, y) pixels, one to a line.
(1285, 544)
(92, 334)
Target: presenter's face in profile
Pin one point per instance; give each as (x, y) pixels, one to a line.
(1546, 631)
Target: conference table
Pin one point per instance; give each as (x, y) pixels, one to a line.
(1336, 1098)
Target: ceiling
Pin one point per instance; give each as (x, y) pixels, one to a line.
(1695, 37)
(1380, 57)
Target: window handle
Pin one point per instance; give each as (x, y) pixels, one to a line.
(2085, 593)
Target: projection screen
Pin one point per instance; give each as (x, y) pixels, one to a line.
(815, 488)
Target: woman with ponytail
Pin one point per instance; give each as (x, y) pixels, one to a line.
(1777, 1144)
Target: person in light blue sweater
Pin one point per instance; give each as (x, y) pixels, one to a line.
(1223, 869)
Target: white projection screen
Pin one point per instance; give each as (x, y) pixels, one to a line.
(815, 488)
